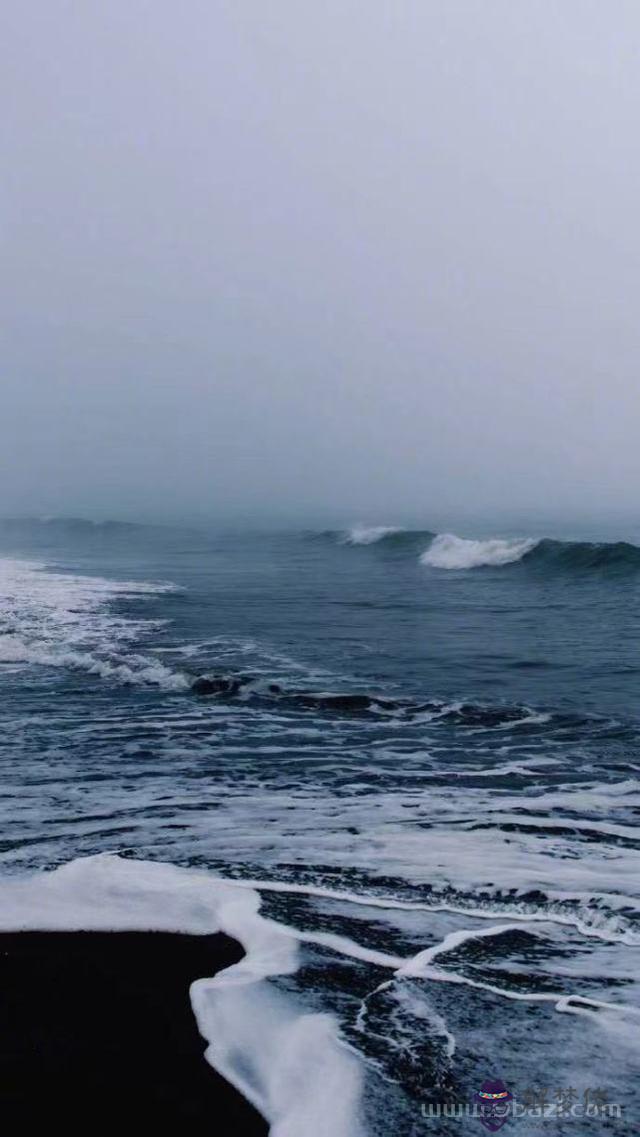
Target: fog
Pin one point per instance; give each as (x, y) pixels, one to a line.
(284, 260)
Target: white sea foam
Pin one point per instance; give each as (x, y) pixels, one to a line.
(618, 1018)
(590, 923)
(289, 1063)
(447, 551)
(528, 768)
(588, 826)
(368, 534)
(55, 619)
(420, 965)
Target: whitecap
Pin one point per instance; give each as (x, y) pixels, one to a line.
(447, 551)
(56, 619)
(368, 534)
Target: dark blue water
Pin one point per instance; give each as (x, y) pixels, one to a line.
(453, 728)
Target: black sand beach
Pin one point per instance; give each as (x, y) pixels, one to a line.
(97, 1028)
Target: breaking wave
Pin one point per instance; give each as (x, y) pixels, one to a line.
(450, 552)
(55, 619)
(369, 534)
(63, 620)
(447, 551)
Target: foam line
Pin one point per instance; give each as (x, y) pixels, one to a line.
(54, 619)
(499, 816)
(420, 967)
(569, 1004)
(345, 946)
(526, 914)
(420, 964)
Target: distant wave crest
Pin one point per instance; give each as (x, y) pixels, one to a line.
(447, 551)
(450, 552)
(369, 534)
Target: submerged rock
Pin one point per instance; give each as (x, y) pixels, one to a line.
(216, 685)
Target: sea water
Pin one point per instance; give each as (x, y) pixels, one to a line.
(409, 787)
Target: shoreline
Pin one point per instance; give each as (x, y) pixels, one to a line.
(99, 1026)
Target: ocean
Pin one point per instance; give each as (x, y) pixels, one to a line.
(401, 767)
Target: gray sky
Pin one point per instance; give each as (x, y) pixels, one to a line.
(356, 257)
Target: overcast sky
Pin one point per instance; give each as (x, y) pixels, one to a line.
(367, 258)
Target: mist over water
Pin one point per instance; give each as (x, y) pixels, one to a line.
(266, 264)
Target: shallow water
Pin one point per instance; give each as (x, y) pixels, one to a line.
(398, 753)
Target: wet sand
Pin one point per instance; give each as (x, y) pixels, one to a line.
(97, 1029)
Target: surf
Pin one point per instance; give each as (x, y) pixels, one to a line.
(65, 620)
(450, 552)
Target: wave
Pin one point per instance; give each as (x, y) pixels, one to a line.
(368, 534)
(25, 533)
(384, 535)
(450, 552)
(577, 555)
(250, 688)
(127, 669)
(63, 620)
(54, 619)
(447, 551)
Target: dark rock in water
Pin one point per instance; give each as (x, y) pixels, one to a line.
(230, 685)
(217, 685)
(350, 703)
(333, 702)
